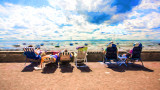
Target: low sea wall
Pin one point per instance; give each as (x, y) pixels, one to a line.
(93, 56)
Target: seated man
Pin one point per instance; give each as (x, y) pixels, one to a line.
(65, 56)
(111, 52)
(111, 44)
(38, 51)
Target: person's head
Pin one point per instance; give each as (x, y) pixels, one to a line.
(30, 46)
(37, 47)
(109, 45)
(136, 44)
(65, 50)
(111, 42)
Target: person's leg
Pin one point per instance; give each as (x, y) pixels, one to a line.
(57, 60)
(39, 67)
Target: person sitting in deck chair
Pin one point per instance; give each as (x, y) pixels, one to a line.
(39, 51)
(34, 54)
(111, 44)
(65, 56)
(136, 50)
(111, 52)
(50, 58)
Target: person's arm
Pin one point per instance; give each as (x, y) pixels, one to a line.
(71, 54)
(104, 52)
(37, 52)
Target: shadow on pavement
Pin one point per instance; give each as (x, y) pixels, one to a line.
(66, 67)
(49, 68)
(131, 67)
(30, 67)
(83, 67)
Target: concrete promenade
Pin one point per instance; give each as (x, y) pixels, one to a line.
(97, 76)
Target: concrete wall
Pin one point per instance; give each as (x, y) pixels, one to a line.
(17, 56)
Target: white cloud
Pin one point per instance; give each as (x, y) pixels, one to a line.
(41, 23)
(148, 4)
(63, 4)
(146, 22)
(84, 5)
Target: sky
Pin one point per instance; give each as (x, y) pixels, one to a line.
(79, 19)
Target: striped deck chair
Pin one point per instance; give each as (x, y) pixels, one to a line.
(65, 57)
(31, 55)
(81, 56)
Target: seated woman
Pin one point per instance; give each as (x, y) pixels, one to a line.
(129, 52)
(50, 58)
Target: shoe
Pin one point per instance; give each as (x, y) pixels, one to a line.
(129, 62)
(37, 68)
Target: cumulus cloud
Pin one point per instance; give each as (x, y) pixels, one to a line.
(80, 20)
(97, 11)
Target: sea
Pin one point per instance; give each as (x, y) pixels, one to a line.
(93, 45)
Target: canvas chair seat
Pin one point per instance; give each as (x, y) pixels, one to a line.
(65, 56)
(136, 53)
(81, 55)
(111, 54)
(31, 55)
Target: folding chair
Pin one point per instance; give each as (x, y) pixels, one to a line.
(65, 56)
(111, 54)
(136, 53)
(81, 56)
(31, 55)
(49, 59)
(122, 60)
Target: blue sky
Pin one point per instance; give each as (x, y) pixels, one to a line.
(79, 19)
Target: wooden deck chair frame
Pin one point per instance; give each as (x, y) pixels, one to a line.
(81, 55)
(111, 54)
(65, 57)
(48, 60)
(136, 54)
(30, 55)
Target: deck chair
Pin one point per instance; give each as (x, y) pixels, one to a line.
(65, 57)
(31, 55)
(136, 53)
(49, 59)
(81, 55)
(111, 54)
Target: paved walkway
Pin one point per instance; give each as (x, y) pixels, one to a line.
(97, 76)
